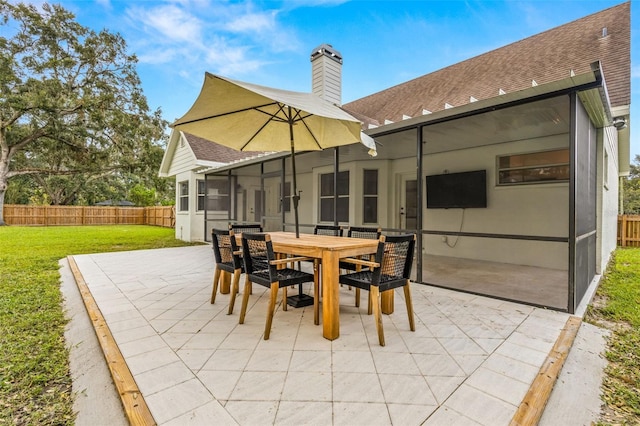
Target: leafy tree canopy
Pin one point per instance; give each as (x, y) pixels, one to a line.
(73, 116)
(631, 188)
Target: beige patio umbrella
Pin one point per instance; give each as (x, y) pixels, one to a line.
(248, 117)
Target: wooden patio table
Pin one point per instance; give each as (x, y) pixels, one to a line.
(330, 250)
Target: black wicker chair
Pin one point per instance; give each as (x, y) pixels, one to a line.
(335, 230)
(390, 269)
(228, 259)
(360, 232)
(239, 228)
(264, 269)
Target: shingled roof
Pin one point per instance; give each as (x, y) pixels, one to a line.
(211, 151)
(543, 58)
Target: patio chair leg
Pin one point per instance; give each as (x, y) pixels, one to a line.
(284, 298)
(357, 297)
(316, 292)
(234, 290)
(216, 279)
(270, 310)
(375, 296)
(245, 300)
(370, 304)
(407, 299)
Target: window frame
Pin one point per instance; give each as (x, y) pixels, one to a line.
(372, 196)
(183, 196)
(532, 167)
(326, 196)
(201, 194)
(286, 199)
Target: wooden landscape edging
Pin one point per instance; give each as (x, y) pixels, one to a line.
(532, 406)
(135, 406)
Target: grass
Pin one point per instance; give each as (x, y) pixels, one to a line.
(35, 385)
(617, 307)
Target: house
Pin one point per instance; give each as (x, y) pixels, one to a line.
(187, 157)
(507, 165)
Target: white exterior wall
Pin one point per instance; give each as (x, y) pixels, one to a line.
(356, 183)
(607, 195)
(189, 224)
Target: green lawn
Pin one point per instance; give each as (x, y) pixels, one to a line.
(35, 386)
(617, 307)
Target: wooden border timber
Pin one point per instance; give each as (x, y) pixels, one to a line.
(135, 406)
(532, 406)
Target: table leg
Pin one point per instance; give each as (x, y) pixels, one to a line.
(386, 300)
(330, 295)
(225, 282)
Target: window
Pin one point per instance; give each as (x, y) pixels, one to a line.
(183, 188)
(535, 167)
(201, 194)
(327, 197)
(370, 194)
(217, 194)
(286, 200)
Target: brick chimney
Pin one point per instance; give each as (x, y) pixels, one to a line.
(326, 73)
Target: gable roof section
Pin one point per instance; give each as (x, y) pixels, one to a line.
(201, 154)
(546, 57)
(207, 150)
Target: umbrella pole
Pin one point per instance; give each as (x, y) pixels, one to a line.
(301, 299)
(296, 197)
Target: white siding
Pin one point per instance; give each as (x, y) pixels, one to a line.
(183, 159)
(607, 189)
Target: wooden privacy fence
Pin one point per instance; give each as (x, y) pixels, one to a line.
(15, 214)
(629, 230)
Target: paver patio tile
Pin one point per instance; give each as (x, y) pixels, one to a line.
(304, 413)
(259, 386)
(349, 413)
(175, 401)
(357, 387)
(255, 413)
(220, 383)
(481, 407)
(307, 386)
(404, 389)
(409, 414)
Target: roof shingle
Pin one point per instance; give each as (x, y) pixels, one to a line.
(210, 151)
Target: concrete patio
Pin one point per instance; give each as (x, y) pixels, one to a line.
(470, 361)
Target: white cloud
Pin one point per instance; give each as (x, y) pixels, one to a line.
(218, 36)
(253, 23)
(169, 21)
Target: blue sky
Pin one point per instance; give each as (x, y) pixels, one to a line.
(383, 43)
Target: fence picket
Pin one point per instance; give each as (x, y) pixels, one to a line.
(629, 230)
(15, 214)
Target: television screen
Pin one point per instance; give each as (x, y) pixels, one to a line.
(457, 190)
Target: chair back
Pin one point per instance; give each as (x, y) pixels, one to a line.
(257, 251)
(335, 230)
(364, 232)
(224, 245)
(395, 255)
(239, 228)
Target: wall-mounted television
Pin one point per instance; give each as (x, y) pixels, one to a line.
(457, 190)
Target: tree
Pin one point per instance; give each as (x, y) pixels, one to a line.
(72, 112)
(631, 188)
